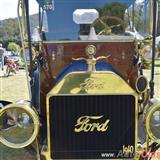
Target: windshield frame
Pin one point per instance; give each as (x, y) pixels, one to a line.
(132, 38)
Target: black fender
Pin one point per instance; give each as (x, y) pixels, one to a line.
(4, 103)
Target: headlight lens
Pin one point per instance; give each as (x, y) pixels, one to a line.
(153, 123)
(19, 125)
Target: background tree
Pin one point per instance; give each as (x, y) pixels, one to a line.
(13, 47)
(113, 9)
(9, 30)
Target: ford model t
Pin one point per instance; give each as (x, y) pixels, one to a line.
(89, 97)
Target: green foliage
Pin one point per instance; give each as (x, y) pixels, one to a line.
(13, 47)
(9, 30)
(114, 9)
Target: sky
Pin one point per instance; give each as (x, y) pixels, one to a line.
(8, 8)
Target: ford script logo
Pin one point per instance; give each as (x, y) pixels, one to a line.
(91, 83)
(91, 124)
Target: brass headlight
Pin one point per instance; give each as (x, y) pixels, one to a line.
(153, 122)
(19, 125)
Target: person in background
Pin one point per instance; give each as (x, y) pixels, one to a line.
(2, 55)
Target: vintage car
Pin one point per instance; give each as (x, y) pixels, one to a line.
(89, 98)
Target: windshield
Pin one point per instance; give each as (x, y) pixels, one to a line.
(138, 17)
(93, 19)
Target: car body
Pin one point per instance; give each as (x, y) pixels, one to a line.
(90, 99)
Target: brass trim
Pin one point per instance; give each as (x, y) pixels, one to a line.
(136, 127)
(54, 91)
(151, 110)
(151, 16)
(91, 60)
(35, 119)
(91, 50)
(90, 41)
(97, 159)
(47, 153)
(137, 82)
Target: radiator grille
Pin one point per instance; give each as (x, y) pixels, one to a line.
(67, 144)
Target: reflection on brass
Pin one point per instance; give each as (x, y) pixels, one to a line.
(20, 117)
(91, 61)
(90, 83)
(123, 55)
(128, 149)
(145, 97)
(153, 128)
(91, 50)
(71, 83)
(88, 124)
(53, 55)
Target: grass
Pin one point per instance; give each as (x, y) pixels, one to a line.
(147, 73)
(15, 154)
(14, 87)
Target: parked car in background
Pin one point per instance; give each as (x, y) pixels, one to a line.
(16, 57)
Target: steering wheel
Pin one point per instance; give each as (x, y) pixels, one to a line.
(108, 23)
